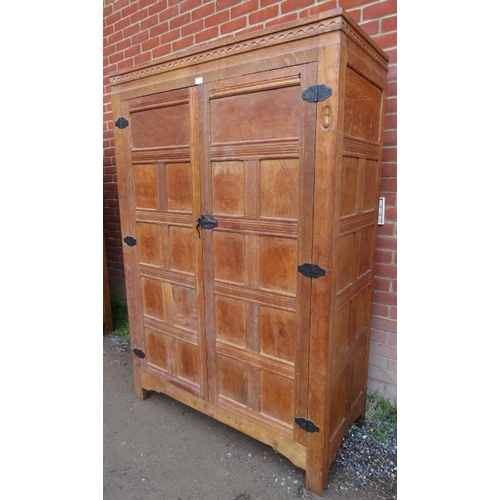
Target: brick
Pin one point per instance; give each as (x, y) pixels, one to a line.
(380, 310)
(389, 243)
(282, 20)
(162, 50)
(393, 339)
(385, 270)
(393, 312)
(157, 7)
(109, 170)
(149, 22)
(318, 9)
(244, 8)
(390, 153)
(107, 11)
(291, 5)
(388, 184)
(150, 44)
(355, 14)
(378, 362)
(383, 375)
(116, 57)
(390, 198)
(266, 3)
(107, 31)
(158, 30)
(389, 170)
(390, 137)
(112, 19)
(391, 105)
(207, 34)
(218, 18)
(131, 30)
(138, 16)
(170, 36)
(128, 11)
(385, 40)
(263, 15)
(108, 50)
(392, 89)
(192, 28)
(179, 21)
(124, 44)
(389, 24)
(384, 256)
(169, 14)
(383, 350)
(349, 4)
(188, 5)
(387, 298)
(379, 337)
(122, 24)
(391, 213)
(371, 27)
(393, 55)
(203, 11)
(183, 43)
(380, 9)
(114, 38)
(392, 75)
(382, 284)
(140, 37)
(142, 58)
(233, 26)
(392, 365)
(126, 63)
(388, 229)
(120, 4)
(224, 4)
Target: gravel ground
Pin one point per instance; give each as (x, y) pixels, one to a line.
(364, 469)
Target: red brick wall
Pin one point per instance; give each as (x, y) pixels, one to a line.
(136, 31)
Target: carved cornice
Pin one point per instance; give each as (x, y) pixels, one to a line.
(209, 52)
(354, 34)
(273, 39)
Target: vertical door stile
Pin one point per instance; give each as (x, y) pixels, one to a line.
(309, 76)
(196, 105)
(206, 205)
(123, 146)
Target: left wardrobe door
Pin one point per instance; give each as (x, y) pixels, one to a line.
(158, 164)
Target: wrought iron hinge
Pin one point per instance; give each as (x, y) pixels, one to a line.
(121, 122)
(130, 241)
(311, 270)
(307, 425)
(139, 353)
(316, 93)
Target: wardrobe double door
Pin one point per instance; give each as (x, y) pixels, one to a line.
(220, 185)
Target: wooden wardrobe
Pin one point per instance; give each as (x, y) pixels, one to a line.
(248, 175)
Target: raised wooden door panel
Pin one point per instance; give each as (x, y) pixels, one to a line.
(257, 182)
(163, 192)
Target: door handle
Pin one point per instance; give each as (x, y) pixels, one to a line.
(206, 222)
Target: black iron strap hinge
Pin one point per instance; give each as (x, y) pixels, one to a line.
(311, 270)
(130, 241)
(307, 425)
(121, 122)
(139, 353)
(316, 93)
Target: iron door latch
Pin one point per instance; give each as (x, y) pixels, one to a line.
(206, 222)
